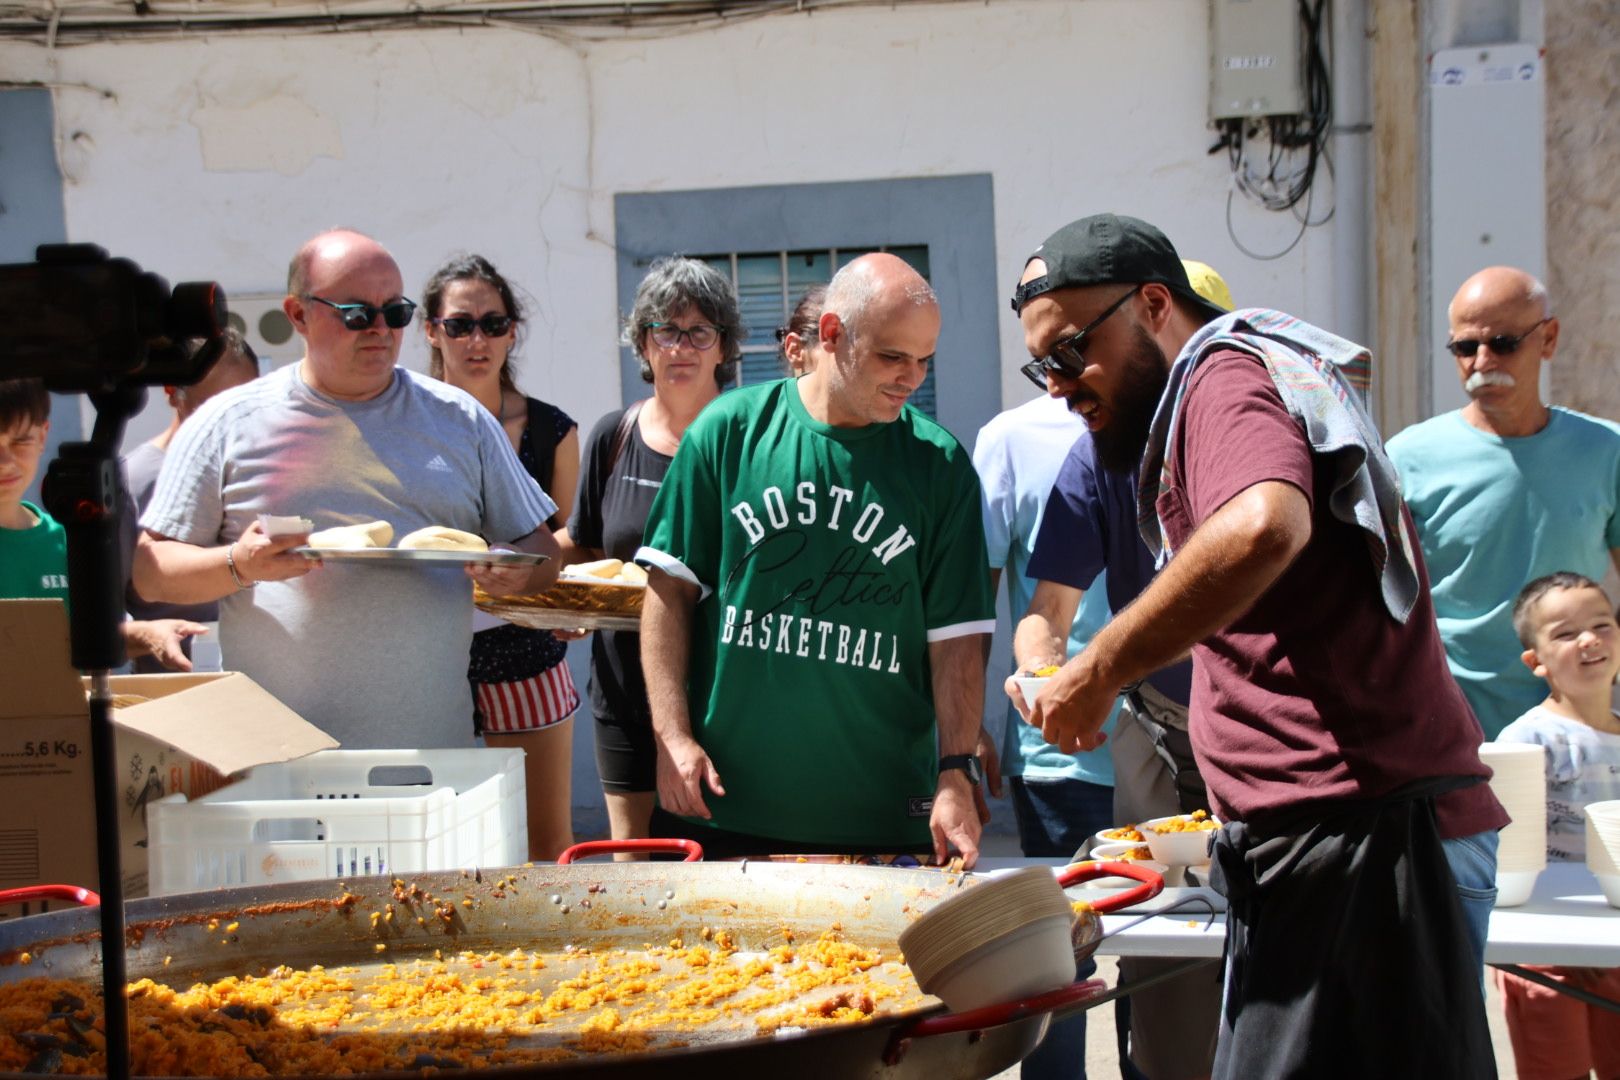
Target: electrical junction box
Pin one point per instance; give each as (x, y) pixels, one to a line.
(1254, 59)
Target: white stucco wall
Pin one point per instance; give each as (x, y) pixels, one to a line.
(215, 158)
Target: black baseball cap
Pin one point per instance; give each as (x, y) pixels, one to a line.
(1110, 249)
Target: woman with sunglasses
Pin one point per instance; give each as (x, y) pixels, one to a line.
(686, 330)
(524, 696)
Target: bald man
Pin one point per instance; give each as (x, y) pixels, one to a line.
(1505, 489)
(812, 636)
(375, 655)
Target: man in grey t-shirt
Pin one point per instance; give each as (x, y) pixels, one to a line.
(374, 654)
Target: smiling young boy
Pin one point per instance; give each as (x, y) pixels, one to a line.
(1571, 639)
(33, 547)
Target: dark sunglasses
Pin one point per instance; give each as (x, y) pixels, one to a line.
(460, 326)
(396, 314)
(1067, 357)
(1501, 344)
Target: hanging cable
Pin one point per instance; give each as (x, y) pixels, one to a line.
(1275, 160)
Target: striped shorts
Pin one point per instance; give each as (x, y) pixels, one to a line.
(528, 704)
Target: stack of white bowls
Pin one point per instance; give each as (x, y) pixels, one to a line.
(1603, 847)
(1519, 782)
(999, 940)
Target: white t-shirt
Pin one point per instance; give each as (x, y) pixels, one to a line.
(373, 654)
(1583, 766)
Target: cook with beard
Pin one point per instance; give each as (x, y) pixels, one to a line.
(1336, 749)
(1088, 532)
(1506, 489)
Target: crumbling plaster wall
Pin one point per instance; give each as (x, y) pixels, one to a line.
(1583, 201)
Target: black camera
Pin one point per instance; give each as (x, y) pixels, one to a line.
(85, 323)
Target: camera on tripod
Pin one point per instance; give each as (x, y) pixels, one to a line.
(87, 323)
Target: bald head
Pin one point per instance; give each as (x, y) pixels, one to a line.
(1499, 290)
(873, 287)
(335, 247)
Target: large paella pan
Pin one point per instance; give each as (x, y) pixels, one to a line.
(610, 969)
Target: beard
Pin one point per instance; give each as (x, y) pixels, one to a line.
(1121, 440)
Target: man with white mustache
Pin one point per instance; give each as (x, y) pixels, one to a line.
(1505, 489)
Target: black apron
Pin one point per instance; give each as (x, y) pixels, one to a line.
(1347, 947)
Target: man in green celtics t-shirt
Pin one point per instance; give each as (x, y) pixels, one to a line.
(812, 630)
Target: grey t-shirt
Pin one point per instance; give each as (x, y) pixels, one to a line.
(373, 654)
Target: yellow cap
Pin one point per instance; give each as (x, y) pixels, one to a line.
(1208, 283)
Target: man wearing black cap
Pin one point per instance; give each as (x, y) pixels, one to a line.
(1335, 746)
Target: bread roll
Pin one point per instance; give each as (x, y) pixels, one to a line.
(443, 538)
(633, 575)
(601, 568)
(370, 534)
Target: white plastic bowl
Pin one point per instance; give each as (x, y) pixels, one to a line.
(1101, 836)
(1030, 686)
(1116, 850)
(1178, 848)
(1030, 960)
(1513, 887)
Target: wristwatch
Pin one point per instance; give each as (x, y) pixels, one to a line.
(968, 763)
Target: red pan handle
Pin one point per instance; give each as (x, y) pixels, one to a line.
(1005, 1012)
(694, 850)
(1152, 882)
(76, 894)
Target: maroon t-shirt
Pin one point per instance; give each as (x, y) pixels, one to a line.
(1316, 694)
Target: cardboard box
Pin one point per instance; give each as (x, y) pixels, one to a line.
(177, 732)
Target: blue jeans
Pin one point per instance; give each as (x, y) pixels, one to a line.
(1055, 817)
(1473, 864)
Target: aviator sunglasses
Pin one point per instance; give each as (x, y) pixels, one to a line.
(493, 325)
(396, 314)
(1501, 344)
(1067, 357)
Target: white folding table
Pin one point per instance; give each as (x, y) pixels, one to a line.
(1567, 921)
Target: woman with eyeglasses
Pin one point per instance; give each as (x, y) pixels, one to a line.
(524, 696)
(686, 330)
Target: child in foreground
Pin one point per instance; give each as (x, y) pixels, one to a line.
(33, 546)
(1571, 639)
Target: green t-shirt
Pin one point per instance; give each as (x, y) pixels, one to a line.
(33, 562)
(828, 559)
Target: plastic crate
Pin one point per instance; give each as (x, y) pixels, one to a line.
(344, 813)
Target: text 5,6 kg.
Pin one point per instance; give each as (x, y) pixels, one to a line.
(51, 748)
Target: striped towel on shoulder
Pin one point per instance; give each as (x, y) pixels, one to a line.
(1323, 381)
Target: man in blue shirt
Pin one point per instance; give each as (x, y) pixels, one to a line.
(1505, 489)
